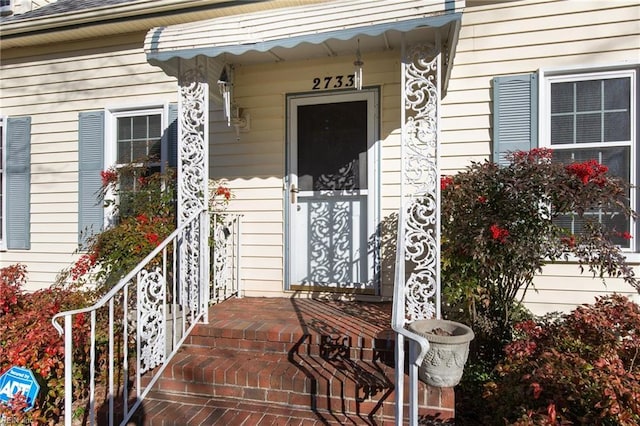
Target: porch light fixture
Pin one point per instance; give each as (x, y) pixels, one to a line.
(357, 77)
(224, 85)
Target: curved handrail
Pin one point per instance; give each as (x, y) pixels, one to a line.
(398, 317)
(398, 322)
(120, 285)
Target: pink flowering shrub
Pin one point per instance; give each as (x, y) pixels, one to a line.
(499, 228)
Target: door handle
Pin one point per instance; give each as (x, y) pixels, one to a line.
(294, 193)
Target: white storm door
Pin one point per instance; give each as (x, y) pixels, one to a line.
(332, 205)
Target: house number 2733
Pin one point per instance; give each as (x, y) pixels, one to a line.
(333, 82)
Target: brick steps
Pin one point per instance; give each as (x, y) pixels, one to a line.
(330, 360)
(299, 381)
(194, 410)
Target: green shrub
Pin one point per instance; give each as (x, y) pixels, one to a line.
(581, 369)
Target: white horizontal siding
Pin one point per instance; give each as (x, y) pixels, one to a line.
(521, 37)
(52, 85)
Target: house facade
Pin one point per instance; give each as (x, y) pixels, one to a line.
(549, 52)
(313, 159)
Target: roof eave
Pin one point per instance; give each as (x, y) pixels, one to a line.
(99, 14)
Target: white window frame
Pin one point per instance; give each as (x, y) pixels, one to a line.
(111, 146)
(547, 77)
(3, 188)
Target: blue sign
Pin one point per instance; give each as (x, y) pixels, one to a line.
(18, 379)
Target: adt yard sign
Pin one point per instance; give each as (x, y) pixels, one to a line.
(18, 379)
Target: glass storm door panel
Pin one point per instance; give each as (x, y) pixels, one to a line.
(331, 208)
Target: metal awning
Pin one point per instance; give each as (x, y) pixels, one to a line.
(311, 31)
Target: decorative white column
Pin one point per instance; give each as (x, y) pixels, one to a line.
(417, 277)
(421, 181)
(193, 138)
(193, 178)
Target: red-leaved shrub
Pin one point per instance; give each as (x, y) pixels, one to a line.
(28, 339)
(581, 369)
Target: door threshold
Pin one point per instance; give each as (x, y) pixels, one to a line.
(319, 289)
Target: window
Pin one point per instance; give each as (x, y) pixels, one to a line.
(593, 116)
(145, 136)
(138, 143)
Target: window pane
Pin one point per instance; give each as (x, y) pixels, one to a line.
(562, 129)
(617, 93)
(155, 126)
(126, 182)
(588, 95)
(139, 138)
(139, 151)
(600, 113)
(140, 127)
(620, 225)
(124, 152)
(617, 126)
(617, 159)
(588, 128)
(561, 97)
(154, 150)
(124, 128)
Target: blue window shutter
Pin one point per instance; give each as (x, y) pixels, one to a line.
(90, 163)
(515, 115)
(18, 175)
(172, 135)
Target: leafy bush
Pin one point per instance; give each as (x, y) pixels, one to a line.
(142, 208)
(28, 339)
(142, 211)
(500, 226)
(582, 369)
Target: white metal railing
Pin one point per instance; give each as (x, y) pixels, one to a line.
(418, 345)
(225, 257)
(139, 325)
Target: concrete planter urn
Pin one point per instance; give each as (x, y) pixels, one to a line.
(448, 350)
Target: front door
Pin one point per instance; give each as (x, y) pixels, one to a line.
(331, 192)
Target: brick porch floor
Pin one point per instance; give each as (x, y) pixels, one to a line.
(263, 361)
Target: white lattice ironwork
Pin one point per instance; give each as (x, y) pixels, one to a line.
(193, 178)
(417, 287)
(151, 321)
(225, 256)
(420, 182)
(193, 149)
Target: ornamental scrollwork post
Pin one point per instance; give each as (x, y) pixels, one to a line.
(420, 179)
(151, 320)
(193, 176)
(193, 144)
